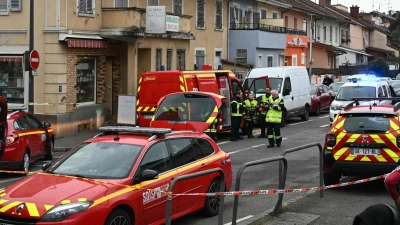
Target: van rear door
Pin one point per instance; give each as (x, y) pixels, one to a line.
(3, 125)
(207, 83)
(187, 111)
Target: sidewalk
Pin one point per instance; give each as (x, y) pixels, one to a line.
(64, 144)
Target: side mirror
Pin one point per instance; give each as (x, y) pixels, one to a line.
(47, 125)
(46, 166)
(149, 175)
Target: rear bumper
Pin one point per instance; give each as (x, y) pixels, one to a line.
(9, 165)
(349, 168)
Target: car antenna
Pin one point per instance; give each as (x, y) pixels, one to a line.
(176, 121)
(116, 138)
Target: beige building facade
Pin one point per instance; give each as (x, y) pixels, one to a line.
(91, 51)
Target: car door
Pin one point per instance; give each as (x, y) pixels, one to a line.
(258, 87)
(28, 135)
(153, 205)
(3, 125)
(188, 160)
(39, 134)
(329, 94)
(287, 94)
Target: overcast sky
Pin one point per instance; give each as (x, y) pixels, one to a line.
(366, 5)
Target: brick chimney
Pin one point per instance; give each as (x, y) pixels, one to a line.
(324, 2)
(366, 16)
(354, 12)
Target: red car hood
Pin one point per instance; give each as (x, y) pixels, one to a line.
(39, 193)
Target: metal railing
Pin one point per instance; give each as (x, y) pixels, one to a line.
(278, 206)
(253, 163)
(265, 27)
(193, 175)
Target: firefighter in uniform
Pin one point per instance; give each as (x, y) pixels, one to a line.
(212, 129)
(264, 103)
(273, 119)
(236, 116)
(250, 109)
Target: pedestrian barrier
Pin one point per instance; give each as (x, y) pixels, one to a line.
(193, 175)
(239, 175)
(278, 206)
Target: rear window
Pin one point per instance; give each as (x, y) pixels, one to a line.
(367, 123)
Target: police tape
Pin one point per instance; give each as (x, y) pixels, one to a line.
(232, 193)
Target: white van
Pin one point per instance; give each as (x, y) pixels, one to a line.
(292, 84)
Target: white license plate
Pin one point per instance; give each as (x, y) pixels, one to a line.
(365, 151)
(147, 116)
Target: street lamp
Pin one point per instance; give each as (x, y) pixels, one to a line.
(31, 39)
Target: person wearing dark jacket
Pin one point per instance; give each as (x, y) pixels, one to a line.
(378, 214)
(264, 101)
(236, 116)
(327, 81)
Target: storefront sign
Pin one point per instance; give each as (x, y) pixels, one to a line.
(172, 23)
(155, 19)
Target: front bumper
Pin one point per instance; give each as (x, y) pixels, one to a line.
(332, 115)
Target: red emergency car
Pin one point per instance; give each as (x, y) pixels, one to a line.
(140, 161)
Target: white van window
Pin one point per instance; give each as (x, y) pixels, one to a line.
(287, 84)
(347, 93)
(380, 92)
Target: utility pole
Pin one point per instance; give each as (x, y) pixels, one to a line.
(311, 40)
(31, 42)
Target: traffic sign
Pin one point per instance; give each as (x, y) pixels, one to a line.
(34, 59)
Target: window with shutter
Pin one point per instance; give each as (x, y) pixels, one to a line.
(3, 6)
(178, 6)
(218, 15)
(152, 2)
(121, 3)
(86, 6)
(181, 59)
(15, 5)
(200, 14)
(242, 53)
(200, 58)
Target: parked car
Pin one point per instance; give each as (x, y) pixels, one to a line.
(335, 87)
(133, 168)
(321, 98)
(27, 140)
(396, 86)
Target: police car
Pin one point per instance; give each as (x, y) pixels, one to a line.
(359, 86)
(120, 177)
(363, 140)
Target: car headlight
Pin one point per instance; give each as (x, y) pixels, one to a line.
(61, 212)
(334, 107)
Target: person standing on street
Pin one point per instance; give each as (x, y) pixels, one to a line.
(236, 116)
(274, 119)
(250, 108)
(327, 80)
(263, 103)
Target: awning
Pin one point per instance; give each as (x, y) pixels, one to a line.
(379, 50)
(353, 50)
(82, 43)
(64, 37)
(9, 58)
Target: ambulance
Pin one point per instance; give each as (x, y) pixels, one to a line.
(155, 85)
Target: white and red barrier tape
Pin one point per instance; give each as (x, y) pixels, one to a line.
(232, 193)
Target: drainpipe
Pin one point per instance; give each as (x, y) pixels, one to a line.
(229, 30)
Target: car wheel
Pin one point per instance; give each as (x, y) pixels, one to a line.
(318, 110)
(25, 162)
(306, 114)
(49, 151)
(118, 217)
(284, 120)
(331, 179)
(211, 203)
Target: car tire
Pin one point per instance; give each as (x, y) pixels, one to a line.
(306, 114)
(331, 179)
(25, 162)
(118, 217)
(318, 110)
(49, 151)
(284, 120)
(211, 203)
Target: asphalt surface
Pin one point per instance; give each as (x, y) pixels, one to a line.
(337, 206)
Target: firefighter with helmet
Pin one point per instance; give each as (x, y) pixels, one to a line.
(250, 110)
(274, 119)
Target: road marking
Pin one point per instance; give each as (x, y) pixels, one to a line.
(224, 142)
(299, 123)
(324, 125)
(240, 220)
(324, 116)
(284, 139)
(245, 149)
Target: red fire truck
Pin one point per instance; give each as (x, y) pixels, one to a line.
(155, 85)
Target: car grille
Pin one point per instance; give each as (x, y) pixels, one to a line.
(365, 145)
(17, 221)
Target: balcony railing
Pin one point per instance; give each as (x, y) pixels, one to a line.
(264, 27)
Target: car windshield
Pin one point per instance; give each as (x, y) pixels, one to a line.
(335, 86)
(313, 90)
(276, 84)
(186, 107)
(98, 160)
(349, 92)
(367, 123)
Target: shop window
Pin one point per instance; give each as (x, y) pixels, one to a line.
(169, 59)
(12, 80)
(86, 80)
(158, 59)
(181, 61)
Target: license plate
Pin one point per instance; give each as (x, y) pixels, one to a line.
(147, 116)
(365, 151)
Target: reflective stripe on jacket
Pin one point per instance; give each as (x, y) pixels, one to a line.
(275, 116)
(251, 106)
(236, 107)
(265, 100)
(213, 126)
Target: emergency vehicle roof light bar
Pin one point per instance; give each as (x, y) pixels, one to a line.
(21, 108)
(136, 130)
(376, 99)
(350, 105)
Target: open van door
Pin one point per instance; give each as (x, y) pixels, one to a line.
(258, 87)
(187, 111)
(3, 125)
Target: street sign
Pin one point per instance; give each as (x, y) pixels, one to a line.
(34, 59)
